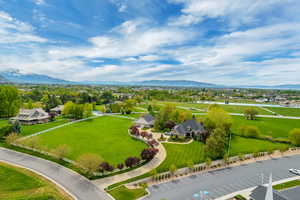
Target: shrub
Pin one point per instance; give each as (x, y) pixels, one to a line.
(11, 138)
(89, 162)
(149, 153)
(61, 151)
(294, 136)
(6, 130)
(249, 131)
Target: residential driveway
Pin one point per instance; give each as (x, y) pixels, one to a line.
(225, 181)
(80, 187)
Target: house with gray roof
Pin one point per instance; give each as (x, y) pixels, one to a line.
(145, 121)
(189, 128)
(57, 110)
(32, 116)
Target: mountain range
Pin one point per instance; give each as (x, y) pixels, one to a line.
(15, 76)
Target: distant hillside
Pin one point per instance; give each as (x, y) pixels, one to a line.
(17, 77)
(176, 83)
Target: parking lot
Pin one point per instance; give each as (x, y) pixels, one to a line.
(225, 181)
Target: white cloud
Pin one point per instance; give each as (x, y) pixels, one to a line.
(14, 31)
(39, 2)
(235, 11)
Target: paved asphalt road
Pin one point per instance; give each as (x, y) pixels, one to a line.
(222, 182)
(77, 185)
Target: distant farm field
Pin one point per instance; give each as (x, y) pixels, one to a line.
(294, 112)
(21, 184)
(228, 108)
(275, 127)
(106, 136)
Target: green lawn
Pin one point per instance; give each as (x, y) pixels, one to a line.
(247, 145)
(106, 136)
(20, 184)
(295, 112)
(275, 127)
(122, 193)
(3, 122)
(287, 185)
(228, 108)
(180, 154)
(31, 129)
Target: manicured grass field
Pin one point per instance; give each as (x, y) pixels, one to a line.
(106, 136)
(275, 127)
(122, 193)
(180, 154)
(295, 112)
(3, 122)
(31, 129)
(247, 145)
(20, 184)
(227, 108)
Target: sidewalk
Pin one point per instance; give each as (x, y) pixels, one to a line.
(154, 163)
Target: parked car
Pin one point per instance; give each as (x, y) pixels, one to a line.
(295, 171)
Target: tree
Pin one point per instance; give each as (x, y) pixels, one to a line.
(88, 109)
(216, 143)
(208, 162)
(16, 126)
(89, 162)
(226, 159)
(107, 97)
(149, 153)
(218, 118)
(11, 138)
(250, 113)
(294, 136)
(190, 165)
(173, 169)
(68, 108)
(9, 101)
(61, 151)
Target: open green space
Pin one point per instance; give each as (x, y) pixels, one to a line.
(241, 145)
(31, 129)
(106, 136)
(123, 193)
(180, 154)
(3, 122)
(21, 184)
(287, 185)
(228, 108)
(294, 112)
(275, 127)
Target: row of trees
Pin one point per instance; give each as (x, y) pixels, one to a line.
(125, 107)
(91, 163)
(168, 116)
(77, 111)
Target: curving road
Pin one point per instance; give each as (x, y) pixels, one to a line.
(78, 186)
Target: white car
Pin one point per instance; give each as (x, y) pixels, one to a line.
(295, 171)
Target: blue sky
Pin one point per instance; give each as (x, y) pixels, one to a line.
(218, 41)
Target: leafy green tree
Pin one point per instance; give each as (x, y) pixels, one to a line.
(173, 169)
(9, 101)
(250, 113)
(216, 144)
(250, 131)
(294, 136)
(218, 118)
